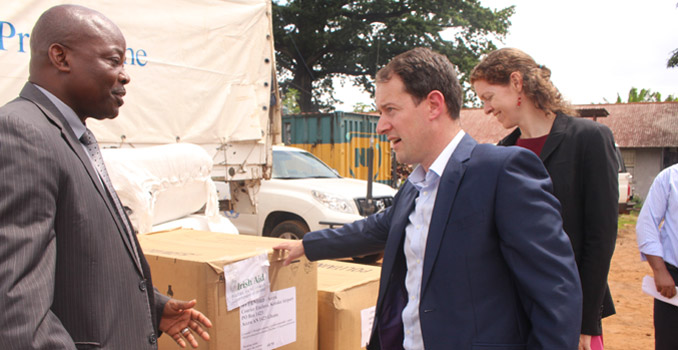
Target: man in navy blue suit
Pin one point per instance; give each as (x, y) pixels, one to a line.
(475, 256)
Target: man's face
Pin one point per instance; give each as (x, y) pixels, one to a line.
(404, 123)
(97, 75)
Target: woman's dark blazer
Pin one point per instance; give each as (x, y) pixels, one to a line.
(579, 154)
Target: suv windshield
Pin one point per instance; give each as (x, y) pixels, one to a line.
(299, 165)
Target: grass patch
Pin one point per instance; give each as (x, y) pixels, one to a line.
(625, 220)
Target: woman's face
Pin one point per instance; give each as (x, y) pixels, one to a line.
(501, 101)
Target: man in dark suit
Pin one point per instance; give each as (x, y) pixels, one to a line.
(72, 275)
(475, 256)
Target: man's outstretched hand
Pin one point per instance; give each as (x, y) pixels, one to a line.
(180, 320)
(295, 249)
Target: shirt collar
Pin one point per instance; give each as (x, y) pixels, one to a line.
(438, 166)
(71, 118)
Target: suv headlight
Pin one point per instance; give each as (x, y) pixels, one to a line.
(333, 202)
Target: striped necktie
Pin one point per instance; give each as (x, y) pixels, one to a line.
(90, 142)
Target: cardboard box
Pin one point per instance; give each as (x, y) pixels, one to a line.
(187, 264)
(347, 297)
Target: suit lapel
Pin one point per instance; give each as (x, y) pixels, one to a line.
(401, 212)
(510, 139)
(31, 93)
(555, 137)
(398, 224)
(447, 191)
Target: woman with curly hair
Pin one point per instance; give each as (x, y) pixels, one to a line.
(579, 155)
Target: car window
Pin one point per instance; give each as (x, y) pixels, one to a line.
(299, 165)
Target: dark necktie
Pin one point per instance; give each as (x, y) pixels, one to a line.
(90, 141)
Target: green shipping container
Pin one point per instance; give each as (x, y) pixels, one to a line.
(341, 140)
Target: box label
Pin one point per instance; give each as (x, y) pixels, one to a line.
(269, 322)
(246, 280)
(366, 320)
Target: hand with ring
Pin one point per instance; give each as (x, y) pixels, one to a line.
(180, 320)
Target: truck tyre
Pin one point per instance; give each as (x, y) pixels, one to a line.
(290, 229)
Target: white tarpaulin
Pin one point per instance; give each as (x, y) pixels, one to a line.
(162, 183)
(200, 69)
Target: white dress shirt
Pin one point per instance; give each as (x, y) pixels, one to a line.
(416, 234)
(661, 204)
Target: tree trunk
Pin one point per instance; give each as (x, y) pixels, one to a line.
(302, 82)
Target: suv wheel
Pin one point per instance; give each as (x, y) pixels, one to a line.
(290, 229)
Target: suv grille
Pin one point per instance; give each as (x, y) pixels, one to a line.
(380, 203)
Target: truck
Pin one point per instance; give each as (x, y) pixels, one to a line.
(202, 72)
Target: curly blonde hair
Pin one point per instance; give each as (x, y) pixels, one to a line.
(497, 66)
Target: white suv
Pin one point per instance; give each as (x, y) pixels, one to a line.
(304, 194)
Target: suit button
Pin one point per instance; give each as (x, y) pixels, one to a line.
(142, 285)
(152, 339)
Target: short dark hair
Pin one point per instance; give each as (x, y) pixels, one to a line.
(422, 71)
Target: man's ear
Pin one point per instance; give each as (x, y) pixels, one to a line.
(436, 104)
(59, 57)
(516, 81)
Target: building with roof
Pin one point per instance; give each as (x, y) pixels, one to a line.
(646, 134)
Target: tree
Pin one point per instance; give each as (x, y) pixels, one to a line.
(673, 60)
(289, 101)
(645, 95)
(360, 107)
(317, 40)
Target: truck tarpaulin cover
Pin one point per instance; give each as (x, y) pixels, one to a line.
(200, 69)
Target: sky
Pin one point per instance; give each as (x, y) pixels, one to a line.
(595, 49)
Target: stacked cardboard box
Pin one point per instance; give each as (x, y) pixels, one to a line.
(188, 264)
(347, 296)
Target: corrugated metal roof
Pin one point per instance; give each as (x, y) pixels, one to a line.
(640, 125)
(634, 125)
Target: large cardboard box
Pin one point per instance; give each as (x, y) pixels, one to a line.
(187, 264)
(347, 296)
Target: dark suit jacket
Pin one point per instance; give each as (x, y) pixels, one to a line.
(579, 155)
(68, 275)
(499, 272)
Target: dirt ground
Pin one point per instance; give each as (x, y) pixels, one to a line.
(631, 328)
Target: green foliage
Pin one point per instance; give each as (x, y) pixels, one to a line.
(645, 95)
(636, 204)
(289, 101)
(673, 60)
(360, 107)
(627, 219)
(317, 40)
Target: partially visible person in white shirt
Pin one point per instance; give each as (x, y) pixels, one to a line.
(658, 244)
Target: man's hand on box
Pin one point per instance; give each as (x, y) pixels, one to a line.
(180, 320)
(295, 249)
